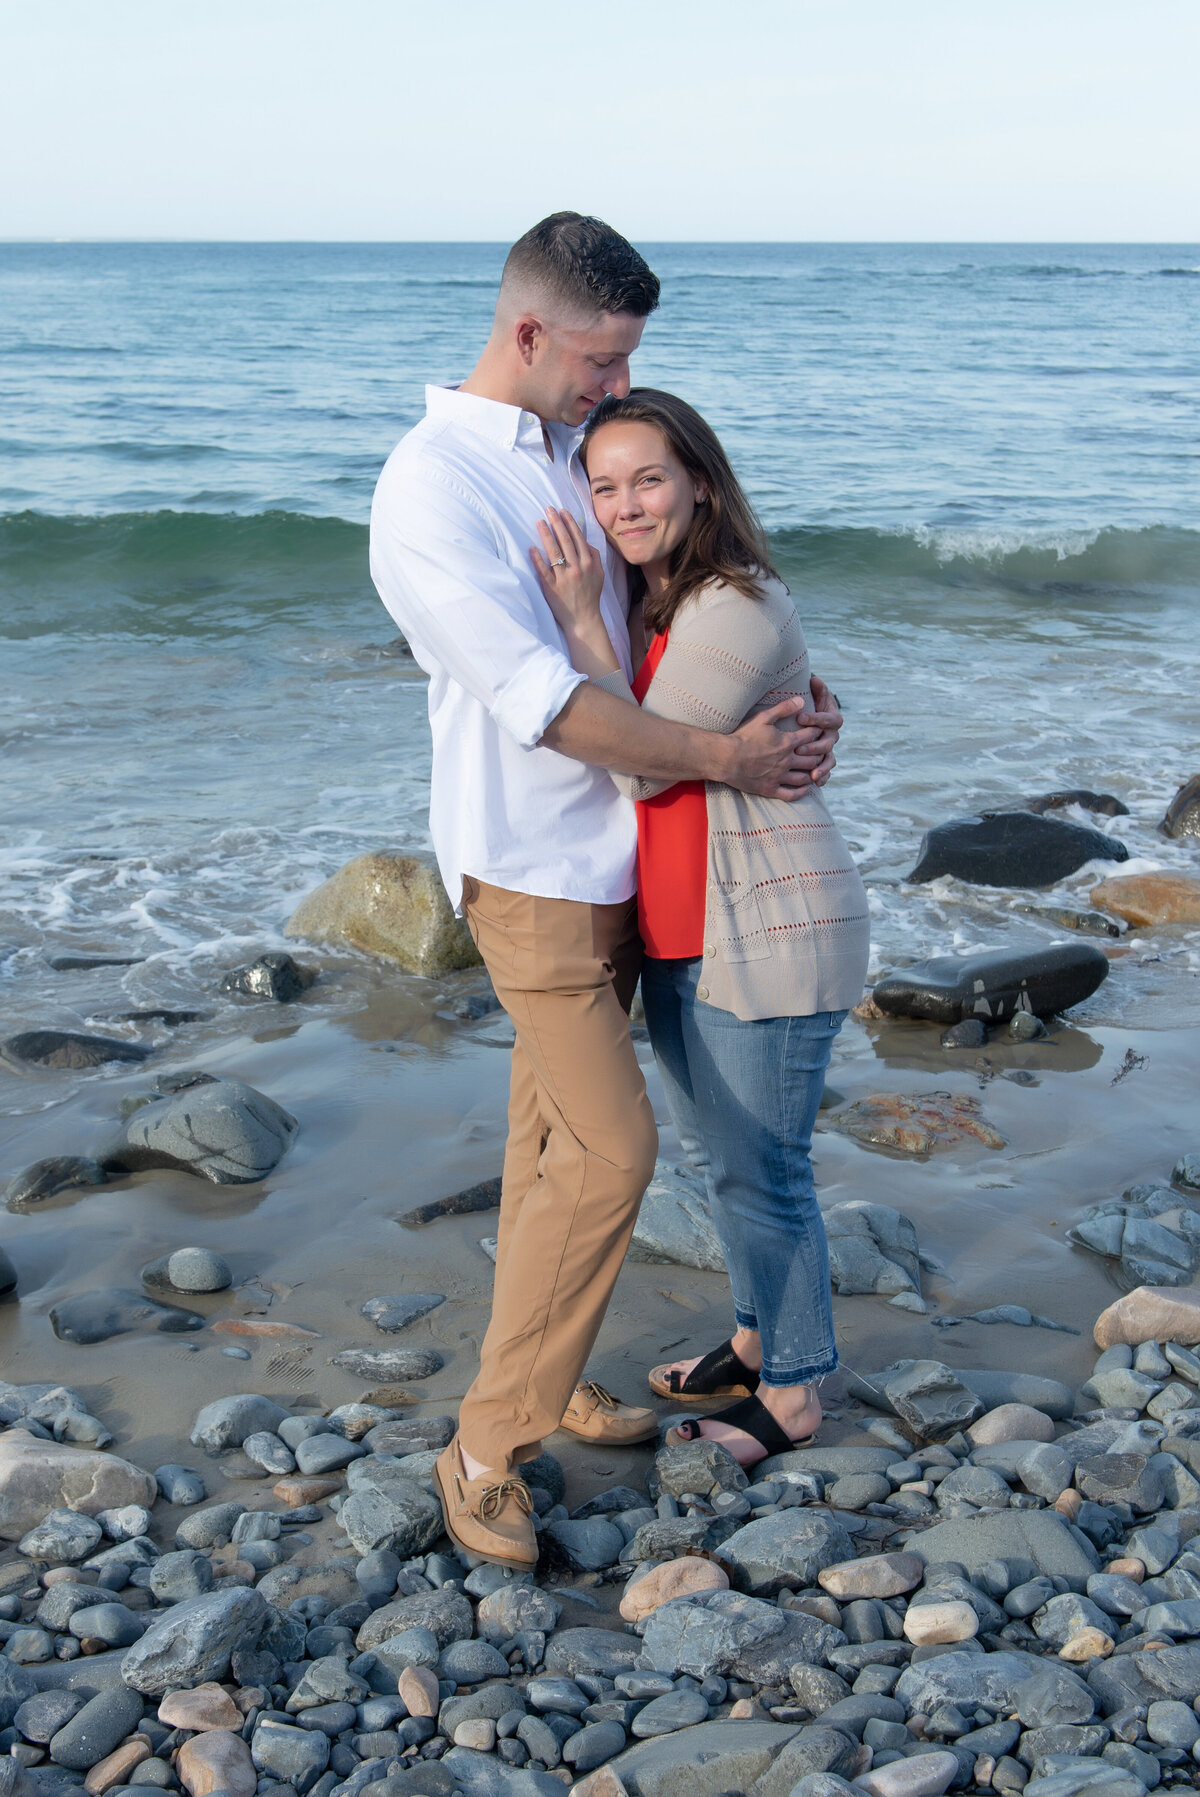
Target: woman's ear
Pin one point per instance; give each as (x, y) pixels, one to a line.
(700, 492)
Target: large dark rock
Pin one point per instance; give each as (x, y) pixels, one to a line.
(1183, 813)
(274, 975)
(951, 988)
(66, 1049)
(1012, 848)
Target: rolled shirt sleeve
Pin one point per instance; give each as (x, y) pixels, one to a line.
(442, 576)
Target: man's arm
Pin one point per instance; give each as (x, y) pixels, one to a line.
(598, 727)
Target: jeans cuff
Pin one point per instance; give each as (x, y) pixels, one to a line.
(745, 1319)
(804, 1374)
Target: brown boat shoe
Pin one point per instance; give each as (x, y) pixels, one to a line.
(595, 1415)
(487, 1518)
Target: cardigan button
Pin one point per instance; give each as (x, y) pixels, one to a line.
(711, 949)
(701, 991)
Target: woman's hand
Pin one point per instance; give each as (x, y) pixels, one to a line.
(572, 577)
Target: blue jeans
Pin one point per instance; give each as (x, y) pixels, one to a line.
(744, 1098)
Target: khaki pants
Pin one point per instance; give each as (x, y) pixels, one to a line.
(580, 1153)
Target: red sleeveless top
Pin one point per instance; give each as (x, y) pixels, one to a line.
(672, 853)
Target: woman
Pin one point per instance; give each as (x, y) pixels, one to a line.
(753, 915)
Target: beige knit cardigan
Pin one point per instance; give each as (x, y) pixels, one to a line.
(786, 927)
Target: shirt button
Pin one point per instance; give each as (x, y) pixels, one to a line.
(701, 991)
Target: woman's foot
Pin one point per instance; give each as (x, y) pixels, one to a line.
(669, 1380)
(794, 1409)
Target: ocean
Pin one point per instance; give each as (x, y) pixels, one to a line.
(978, 464)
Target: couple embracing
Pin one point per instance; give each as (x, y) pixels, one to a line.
(628, 755)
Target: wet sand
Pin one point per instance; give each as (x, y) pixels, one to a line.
(398, 1108)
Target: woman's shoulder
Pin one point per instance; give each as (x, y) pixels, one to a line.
(770, 605)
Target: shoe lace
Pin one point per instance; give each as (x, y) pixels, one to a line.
(599, 1395)
(493, 1497)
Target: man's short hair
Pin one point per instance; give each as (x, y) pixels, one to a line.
(583, 265)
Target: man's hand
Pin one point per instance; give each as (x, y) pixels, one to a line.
(781, 753)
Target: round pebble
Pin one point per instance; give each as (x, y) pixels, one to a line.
(198, 1270)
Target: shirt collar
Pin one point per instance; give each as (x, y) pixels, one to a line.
(509, 426)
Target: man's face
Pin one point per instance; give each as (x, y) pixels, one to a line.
(573, 367)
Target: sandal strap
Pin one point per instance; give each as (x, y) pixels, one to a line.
(753, 1418)
(719, 1367)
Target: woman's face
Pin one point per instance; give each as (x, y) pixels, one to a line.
(644, 497)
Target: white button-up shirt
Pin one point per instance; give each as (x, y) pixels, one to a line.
(455, 514)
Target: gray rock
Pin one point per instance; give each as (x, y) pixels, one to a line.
(1012, 848)
(1120, 1478)
(1037, 1535)
(590, 1545)
(447, 1613)
(60, 1173)
(710, 1759)
(927, 1396)
(385, 1509)
(816, 1688)
(177, 1578)
(1120, 1388)
(294, 1756)
(60, 1537)
(674, 1224)
(663, 1715)
(29, 1647)
(272, 975)
(514, 1607)
(193, 1641)
(470, 1662)
(700, 1466)
(965, 1679)
(802, 1637)
(388, 1365)
(1053, 1696)
(1172, 1671)
(90, 1317)
(95, 1730)
(785, 1551)
(1046, 1471)
(970, 1033)
(269, 1452)
(411, 1647)
(1088, 1775)
(128, 1523)
(829, 1462)
(705, 1634)
(561, 1694)
(198, 1270)
(395, 1313)
(979, 1485)
(180, 1485)
(67, 1049)
(1169, 1723)
(854, 1491)
(208, 1527)
(110, 1623)
(1065, 1615)
(872, 1248)
(326, 1454)
(416, 1435)
(601, 1652)
(223, 1130)
(593, 1745)
(41, 1716)
(226, 1422)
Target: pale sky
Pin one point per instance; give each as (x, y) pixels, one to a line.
(794, 120)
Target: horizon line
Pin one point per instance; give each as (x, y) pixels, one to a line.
(503, 242)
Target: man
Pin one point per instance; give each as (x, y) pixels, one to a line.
(533, 840)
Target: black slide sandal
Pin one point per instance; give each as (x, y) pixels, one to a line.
(720, 1374)
(753, 1418)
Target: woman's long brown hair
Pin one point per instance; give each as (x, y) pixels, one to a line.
(725, 541)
